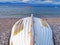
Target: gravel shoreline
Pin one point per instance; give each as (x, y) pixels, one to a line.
(7, 23)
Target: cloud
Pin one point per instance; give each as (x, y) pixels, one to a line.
(25, 0)
(8, 0)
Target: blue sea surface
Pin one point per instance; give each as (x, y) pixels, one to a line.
(23, 11)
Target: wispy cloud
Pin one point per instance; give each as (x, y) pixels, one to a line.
(8, 0)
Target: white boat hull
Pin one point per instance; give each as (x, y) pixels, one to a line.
(31, 31)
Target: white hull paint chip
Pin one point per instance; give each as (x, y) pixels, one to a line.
(31, 31)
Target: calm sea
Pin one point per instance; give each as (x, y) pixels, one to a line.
(23, 11)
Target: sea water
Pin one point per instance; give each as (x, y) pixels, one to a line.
(23, 11)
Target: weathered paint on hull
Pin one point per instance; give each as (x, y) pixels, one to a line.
(31, 31)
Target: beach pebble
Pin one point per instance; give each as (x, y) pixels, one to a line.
(56, 33)
(4, 38)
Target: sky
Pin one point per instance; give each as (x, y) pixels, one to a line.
(8, 0)
(25, 0)
(15, 0)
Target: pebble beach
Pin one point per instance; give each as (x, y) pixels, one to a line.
(6, 25)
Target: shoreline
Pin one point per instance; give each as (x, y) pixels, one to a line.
(50, 20)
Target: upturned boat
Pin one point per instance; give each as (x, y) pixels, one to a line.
(31, 31)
